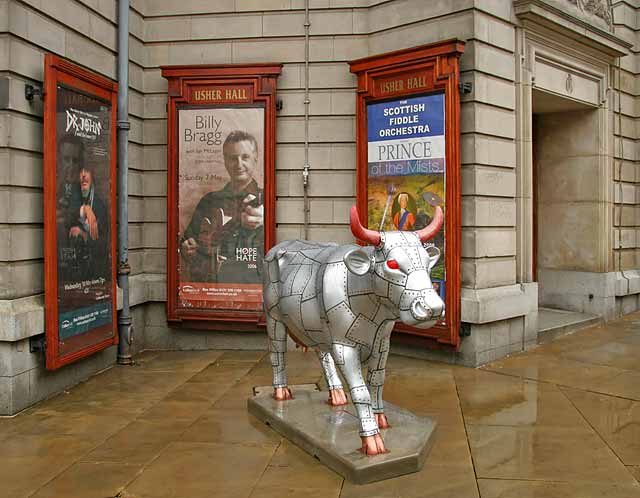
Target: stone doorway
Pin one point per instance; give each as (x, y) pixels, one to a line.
(566, 157)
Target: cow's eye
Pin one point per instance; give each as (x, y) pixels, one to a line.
(393, 264)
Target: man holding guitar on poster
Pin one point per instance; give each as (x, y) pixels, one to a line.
(223, 242)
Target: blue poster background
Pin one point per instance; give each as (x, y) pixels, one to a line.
(432, 115)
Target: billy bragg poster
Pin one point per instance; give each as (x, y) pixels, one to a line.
(221, 207)
(83, 219)
(406, 167)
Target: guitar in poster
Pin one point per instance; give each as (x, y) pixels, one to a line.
(221, 207)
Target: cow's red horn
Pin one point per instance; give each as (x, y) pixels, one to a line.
(360, 232)
(432, 228)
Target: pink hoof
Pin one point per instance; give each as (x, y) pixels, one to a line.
(373, 445)
(383, 423)
(282, 393)
(337, 397)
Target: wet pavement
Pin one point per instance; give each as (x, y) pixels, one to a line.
(559, 421)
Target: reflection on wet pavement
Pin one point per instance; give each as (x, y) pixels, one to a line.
(561, 421)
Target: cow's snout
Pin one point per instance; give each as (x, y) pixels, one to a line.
(420, 311)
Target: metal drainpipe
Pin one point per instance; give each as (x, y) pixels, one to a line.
(125, 330)
(306, 167)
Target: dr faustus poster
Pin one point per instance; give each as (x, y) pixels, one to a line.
(83, 216)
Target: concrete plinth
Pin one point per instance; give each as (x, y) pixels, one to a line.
(331, 434)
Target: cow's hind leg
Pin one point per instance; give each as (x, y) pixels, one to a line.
(347, 358)
(337, 396)
(377, 364)
(277, 349)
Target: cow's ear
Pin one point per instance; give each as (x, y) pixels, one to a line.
(357, 261)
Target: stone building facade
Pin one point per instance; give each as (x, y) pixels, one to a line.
(548, 132)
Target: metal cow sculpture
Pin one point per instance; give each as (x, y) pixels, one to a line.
(343, 301)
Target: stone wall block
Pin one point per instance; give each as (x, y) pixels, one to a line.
(569, 179)
(264, 5)
(321, 156)
(489, 90)
(227, 26)
(283, 24)
(155, 209)
(135, 235)
(136, 130)
(155, 260)
(15, 358)
(289, 211)
(489, 120)
(136, 21)
(23, 58)
(480, 180)
(155, 184)
(158, 54)
(137, 52)
(483, 243)
(321, 129)
(155, 158)
(154, 235)
(288, 232)
(488, 272)
(136, 77)
(488, 59)
(331, 22)
(388, 15)
(346, 48)
(219, 52)
(268, 50)
(20, 168)
(624, 193)
(293, 103)
(404, 36)
(19, 205)
(170, 29)
(494, 31)
(321, 210)
(21, 242)
(491, 151)
(37, 29)
(488, 211)
(135, 185)
(500, 334)
(20, 279)
(155, 106)
(136, 103)
(331, 75)
(155, 131)
(333, 233)
(4, 16)
(187, 7)
(90, 54)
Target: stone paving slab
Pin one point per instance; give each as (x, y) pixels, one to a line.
(331, 434)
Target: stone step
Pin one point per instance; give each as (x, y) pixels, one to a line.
(554, 323)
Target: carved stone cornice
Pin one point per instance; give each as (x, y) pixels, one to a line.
(599, 8)
(588, 21)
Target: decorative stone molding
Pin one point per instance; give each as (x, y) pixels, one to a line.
(599, 8)
(589, 22)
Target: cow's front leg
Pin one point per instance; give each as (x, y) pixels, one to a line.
(347, 358)
(375, 381)
(277, 348)
(337, 397)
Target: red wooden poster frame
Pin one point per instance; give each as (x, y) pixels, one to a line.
(206, 86)
(60, 71)
(409, 73)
